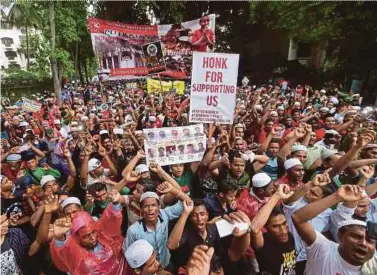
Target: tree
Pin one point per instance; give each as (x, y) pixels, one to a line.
(24, 14)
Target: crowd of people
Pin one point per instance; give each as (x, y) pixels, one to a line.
(293, 178)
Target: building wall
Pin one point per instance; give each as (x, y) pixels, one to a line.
(10, 41)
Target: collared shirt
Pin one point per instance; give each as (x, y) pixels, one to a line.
(215, 208)
(159, 237)
(249, 203)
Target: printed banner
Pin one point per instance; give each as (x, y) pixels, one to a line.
(153, 57)
(131, 85)
(118, 46)
(157, 86)
(30, 105)
(213, 87)
(172, 145)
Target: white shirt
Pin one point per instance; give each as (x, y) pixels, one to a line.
(324, 259)
(320, 223)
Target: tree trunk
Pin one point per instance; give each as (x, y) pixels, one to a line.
(54, 62)
(27, 48)
(76, 63)
(79, 69)
(87, 77)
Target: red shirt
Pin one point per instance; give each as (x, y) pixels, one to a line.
(284, 180)
(196, 37)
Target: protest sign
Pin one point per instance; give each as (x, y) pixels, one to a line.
(153, 57)
(156, 86)
(172, 145)
(118, 46)
(213, 87)
(245, 81)
(30, 105)
(131, 85)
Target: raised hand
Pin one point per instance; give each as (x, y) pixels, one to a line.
(61, 227)
(240, 217)
(367, 171)
(155, 167)
(200, 260)
(140, 154)
(225, 160)
(188, 206)
(51, 203)
(365, 138)
(299, 133)
(102, 151)
(284, 192)
(351, 193)
(132, 176)
(321, 179)
(165, 188)
(66, 153)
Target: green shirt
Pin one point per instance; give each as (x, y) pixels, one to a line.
(185, 181)
(39, 172)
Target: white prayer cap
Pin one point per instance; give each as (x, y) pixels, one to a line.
(46, 179)
(299, 147)
(23, 124)
(324, 109)
(331, 132)
(141, 168)
(323, 91)
(70, 200)
(351, 222)
(138, 253)
(84, 118)
(57, 121)
(103, 132)
(326, 153)
(289, 163)
(273, 113)
(118, 131)
(260, 180)
(93, 164)
(147, 195)
(334, 100)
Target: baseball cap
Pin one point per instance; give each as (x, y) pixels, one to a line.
(93, 164)
(141, 168)
(260, 180)
(147, 195)
(68, 201)
(46, 179)
(138, 253)
(289, 163)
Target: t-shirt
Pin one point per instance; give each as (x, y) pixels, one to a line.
(324, 258)
(277, 258)
(185, 181)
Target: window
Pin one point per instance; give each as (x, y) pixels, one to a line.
(5, 25)
(11, 55)
(7, 41)
(23, 39)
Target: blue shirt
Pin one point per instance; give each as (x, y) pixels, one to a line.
(271, 167)
(215, 208)
(158, 238)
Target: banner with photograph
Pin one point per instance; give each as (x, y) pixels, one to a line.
(118, 46)
(213, 87)
(30, 105)
(157, 86)
(153, 57)
(172, 145)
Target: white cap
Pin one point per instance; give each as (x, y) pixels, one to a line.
(299, 147)
(138, 253)
(260, 180)
(326, 153)
(273, 113)
(334, 100)
(331, 132)
(147, 195)
(324, 109)
(141, 168)
(93, 164)
(23, 124)
(323, 91)
(152, 118)
(351, 222)
(118, 131)
(57, 121)
(70, 200)
(84, 118)
(46, 179)
(289, 163)
(280, 108)
(74, 123)
(103, 132)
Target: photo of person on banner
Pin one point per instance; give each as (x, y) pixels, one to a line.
(204, 37)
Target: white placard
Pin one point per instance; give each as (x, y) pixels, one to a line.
(226, 228)
(213, 87)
